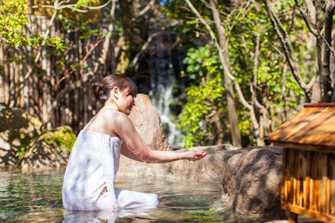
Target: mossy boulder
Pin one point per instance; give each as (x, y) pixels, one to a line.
(27, 143)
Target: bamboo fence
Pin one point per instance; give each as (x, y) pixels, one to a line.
(71, 103)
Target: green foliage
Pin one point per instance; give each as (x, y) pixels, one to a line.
(13, 18)
(56, 42)
(204, 98)
(13, 24)
(62, 137)
(275, 88)
(82, 3)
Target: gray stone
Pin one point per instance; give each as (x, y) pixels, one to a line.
(253, 183)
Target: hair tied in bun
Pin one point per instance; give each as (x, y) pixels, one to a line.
(99, 91)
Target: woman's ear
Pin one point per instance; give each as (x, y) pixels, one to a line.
(116, 93)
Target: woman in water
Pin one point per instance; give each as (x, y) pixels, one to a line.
(94, 160)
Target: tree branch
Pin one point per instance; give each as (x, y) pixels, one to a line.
(309, 24)
(146, 8)
(286, 47)
(210, 31)
(107, 42)
(312, 29)
(143, 49)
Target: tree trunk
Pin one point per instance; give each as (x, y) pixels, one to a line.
(219, 133)
(322, 90)
(325, 81)
(126, 18)
(107, 57)
(232, 113)
(30, 7)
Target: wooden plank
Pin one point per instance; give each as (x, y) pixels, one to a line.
(305, 166)
(312, 214)
(327, 187)
(331, 174)
(322, 175)
(290, 185)
(293, 171)
(311, 126)
(318, 105)
(317, 182)
(297, 177)
(313, 188)
(284, 190)
(311, 148)
(11, 84)
(17, 74)
(2, 75)
(25, 94)
(7, 77)
(301, 174)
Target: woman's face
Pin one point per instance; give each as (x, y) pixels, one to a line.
(125, 100)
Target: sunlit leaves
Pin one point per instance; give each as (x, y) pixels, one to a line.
(246, 27)
(12, 21)
(203, 99)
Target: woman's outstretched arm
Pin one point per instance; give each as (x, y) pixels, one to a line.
(135, 148)
(163, 156)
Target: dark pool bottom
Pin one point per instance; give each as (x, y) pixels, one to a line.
(36, 197)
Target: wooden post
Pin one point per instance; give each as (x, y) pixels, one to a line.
(2, 76)
(30, 7)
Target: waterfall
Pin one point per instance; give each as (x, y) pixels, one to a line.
(164, 68)
(161, 98)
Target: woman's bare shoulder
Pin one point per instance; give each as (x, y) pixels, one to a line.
(115, 122)
(112, 116)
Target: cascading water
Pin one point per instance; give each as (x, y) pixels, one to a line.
(163, 79)
(161, 99)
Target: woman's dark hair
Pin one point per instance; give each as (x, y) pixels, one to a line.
(104, 86)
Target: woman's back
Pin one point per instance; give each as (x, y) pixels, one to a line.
(91, 169)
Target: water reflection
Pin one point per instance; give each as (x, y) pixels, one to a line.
(36, 197)
(105, 216)
(83, 217)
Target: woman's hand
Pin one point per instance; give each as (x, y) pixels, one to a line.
(195, 155)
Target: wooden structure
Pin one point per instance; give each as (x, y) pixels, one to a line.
(308, 142)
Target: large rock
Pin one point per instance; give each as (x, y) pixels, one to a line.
(42, 149)
(248, 178)
(251, 180)
(44, 158)
(147, 122)
(7, 155)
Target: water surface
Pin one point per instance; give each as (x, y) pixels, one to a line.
(36, 197)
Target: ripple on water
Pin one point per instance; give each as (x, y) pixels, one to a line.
(37, 198)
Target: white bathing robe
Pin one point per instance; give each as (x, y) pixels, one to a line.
(91, 170)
